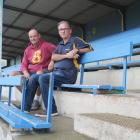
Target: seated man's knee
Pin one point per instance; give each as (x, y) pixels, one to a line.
(34, 77)
(44, 78)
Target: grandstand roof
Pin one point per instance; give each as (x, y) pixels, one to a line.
(21, 15)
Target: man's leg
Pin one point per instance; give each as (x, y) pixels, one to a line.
(38, 97)
(44, 87)
(37, 100)
(31, 90)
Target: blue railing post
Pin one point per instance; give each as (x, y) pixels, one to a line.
(124, 74)
(81, 73)
(50, 96)
(9, 99)
(0, 92)
(23, 94)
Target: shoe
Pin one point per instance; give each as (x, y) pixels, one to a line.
(41, 114)
(54, 113)
(27, 112)
(44, 114)
(35, 105)
(17, 106)
(27, 109)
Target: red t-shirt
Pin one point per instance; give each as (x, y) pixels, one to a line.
(37, 59)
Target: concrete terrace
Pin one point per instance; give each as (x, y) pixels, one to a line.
(102, 117)
(62, 130)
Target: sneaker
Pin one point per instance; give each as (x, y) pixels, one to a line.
(17, 106)
(35, 105)
(54, 113)
(41, 114)
(27, 110)
(44, 114)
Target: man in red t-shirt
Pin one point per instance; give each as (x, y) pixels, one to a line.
(36, 59)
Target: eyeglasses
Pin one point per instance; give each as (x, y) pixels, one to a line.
(63, 29)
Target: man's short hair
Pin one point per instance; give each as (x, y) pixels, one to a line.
(64, 21)
(34, 30)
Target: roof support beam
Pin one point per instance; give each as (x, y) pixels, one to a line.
(7, 54)
(1, 20)
(123, 19)
(12, 46)
(108, 4)
(13, 38)
(6, 57)
(27, 29)
(37, 14)
(10, 51)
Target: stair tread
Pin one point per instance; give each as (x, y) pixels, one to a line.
(124, 121)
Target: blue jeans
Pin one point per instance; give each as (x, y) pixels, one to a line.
(60, 77)
(42, 80)
(31, 88)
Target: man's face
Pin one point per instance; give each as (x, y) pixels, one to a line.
(64, 31)
(34, 37)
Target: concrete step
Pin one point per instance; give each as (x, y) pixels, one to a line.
(4, 131)
(62, 129)
(71, 103)
(105, 126)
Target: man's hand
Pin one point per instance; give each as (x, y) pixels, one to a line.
(51, 65)
(26, 74)
(39, 72)
(72, 54)
(76, 56)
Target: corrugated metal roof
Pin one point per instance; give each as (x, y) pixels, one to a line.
(21, 15)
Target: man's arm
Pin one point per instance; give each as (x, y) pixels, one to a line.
(51, 65)
(24, 66)
(57, 57)
(70, 55)
(84, 50)
(81, 46)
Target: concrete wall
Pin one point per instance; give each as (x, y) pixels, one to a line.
(132, 15)
(104, 26)
(114, 77)
(111, 23)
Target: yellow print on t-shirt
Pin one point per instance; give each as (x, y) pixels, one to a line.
(36, 57)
